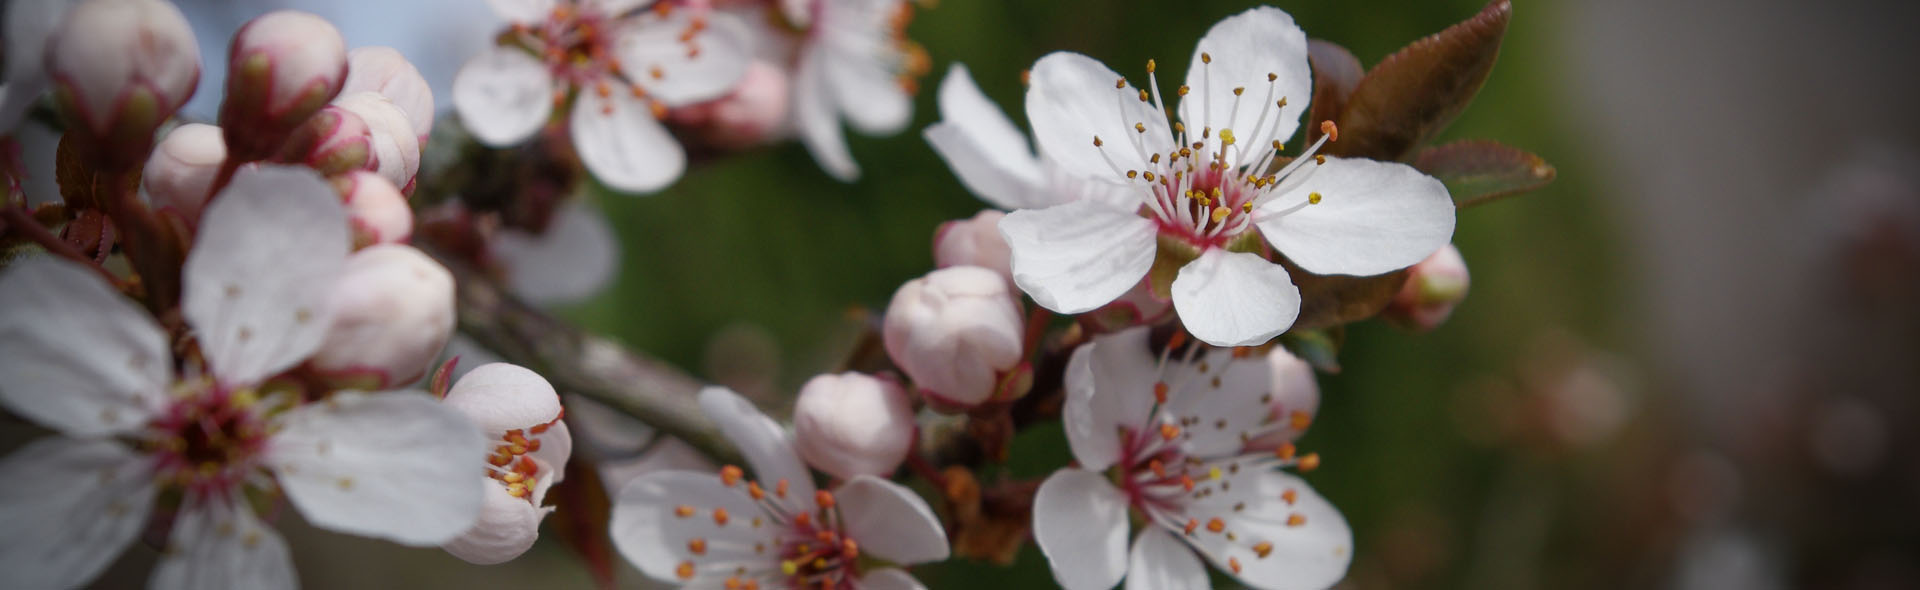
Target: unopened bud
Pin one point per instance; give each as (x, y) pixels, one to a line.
(180, 173)
(396, 150)
(1294, 399)
(384, 70)
(957, 332)
(975, 241)
(281, 68)
(333, 141)
(120, 68)
(380, 215)
(752, 114)
(1433, 288)
(521, 411)
(392, 313)
(852, 424)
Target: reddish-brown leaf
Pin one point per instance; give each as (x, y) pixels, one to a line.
(1335, 74)
(1410, 96)
(1478, 170)
(580, 517)
(1333, 300)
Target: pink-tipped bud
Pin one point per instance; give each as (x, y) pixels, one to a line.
(974, 241)
(1433, 288)
(752, 114)
(392, 313)
(1294, 401)
(180, 173)
(957, 332)
(396, 149)
(384, 70)
(282, 68)
(852, 424)
(380, 215)
(333, 141)
(521, 413)
(120, 68)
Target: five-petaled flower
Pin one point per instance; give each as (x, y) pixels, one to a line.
(853, 61)
(78, 357)
(622, 63)
(727, 531)
(1183, 440)
(1207, 191)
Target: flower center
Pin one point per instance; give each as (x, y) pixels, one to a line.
(578, 44)
(210, 440)
(801, 548)
(512, 462)
(1210, 186)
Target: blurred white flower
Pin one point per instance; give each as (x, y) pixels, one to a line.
(575, 258)
(776, 531)
(1204, 189)
(26, 27)
(854, 62)
(1177, 431)
(520, 414)
(83, 360)
(618, 64)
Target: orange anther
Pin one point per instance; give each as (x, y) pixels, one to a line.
(823, 498)
(1290, 496)
(1296, 520)
(1169, 431)
(1191, 525)
(685, 571)
(1299, 420)
(780, 488)
(720, 516)
(1331, 130)
(1234, 563)
(1216, 525)
(730, 475)
(1159, 469)
(697, 546)
(1160, 392)
(753, 489)
(849, 549)
(1284, 452)
(1309, 462)
(1263, 549)
(683, 511)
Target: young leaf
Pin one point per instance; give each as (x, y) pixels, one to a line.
(1335, 74)
(1333, 300)
(1410, 96)
(1477, 170)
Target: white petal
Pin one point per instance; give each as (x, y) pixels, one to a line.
(890, 522)
(573, 260)
(556, 447)
(623, 145)
(396, 466)
(667, 455)
(1246, 47)
(982, 146)
(889, 579)
(499, 397)
(1076, 257)
(1307, 557)
(74, 354)
(1080, 522)
(1072, 100)
(1159, 561)
(522, 11)
(650, 533)
(867, 91)
(503, 96)
(766, 446)
(1235, 298)
(1227, 395)
(220, 545)
(507, 527)
(1372, 218)
(819, 125)
(73, 507)
(1110, 385)
(386, 71)
(26, 26)
(654, 57)
(270, 248)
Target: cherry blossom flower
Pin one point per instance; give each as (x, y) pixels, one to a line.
(623, 62)
(711, 531)
(520, 414)
(83, 360)
(1174, 435)
(853, 62)
(1207, 196)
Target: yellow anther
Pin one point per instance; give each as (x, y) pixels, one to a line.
(1150, 66)
(1220, 214)
(1120, 83)
(1097, 142)
(1213, 473)
(1272, 76)
(1226, 137)
(1313, 198)
(1183, 90)
(1205, 58)
(1239, 90)
(1140, 127)
(788, 567)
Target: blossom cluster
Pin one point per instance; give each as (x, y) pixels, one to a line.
(235, 314)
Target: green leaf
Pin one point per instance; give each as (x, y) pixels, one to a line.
(1477, 170)
(1335, 74)
(1410, 96)
(1320, 348)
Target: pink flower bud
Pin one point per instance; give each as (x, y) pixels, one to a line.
(281, 68)
(392, 313)
(750, 115)
(380, 215)
(957, 333)
(120, 68)
(1433, 288)
(852, 424)
(396, 149)
(180, 173)
(384, 70)
(521, 413)
(975, 241)
(1294, 402)
(333, 141)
